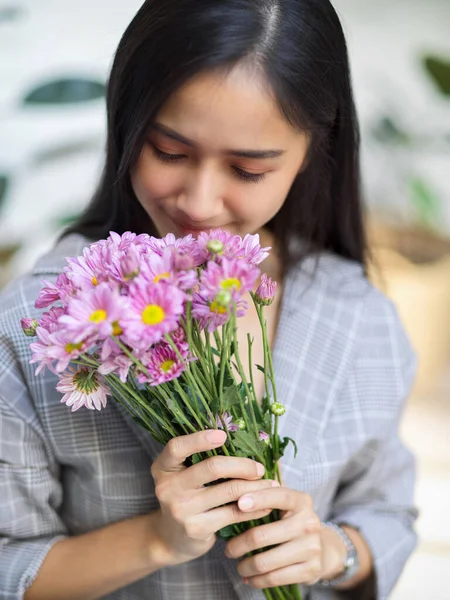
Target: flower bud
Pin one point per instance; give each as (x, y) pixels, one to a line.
(29, 326)
(223, 298)
(278, 409)
(240, 423)
(266, 291)
(264, 437)
(215, 246)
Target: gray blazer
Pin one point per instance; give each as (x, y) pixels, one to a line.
(343, 368)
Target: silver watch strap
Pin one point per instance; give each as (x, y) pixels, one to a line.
(351, 564)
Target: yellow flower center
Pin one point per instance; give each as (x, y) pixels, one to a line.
(217, 308)
(94, 280)
(231, 283)
(153, 315)
(117, 329)
(162, 276)
(98, 316)
(72, 347)
(166, 366)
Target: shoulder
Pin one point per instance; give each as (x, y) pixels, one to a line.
(381, 361)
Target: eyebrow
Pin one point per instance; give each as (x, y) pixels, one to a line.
(257, 154)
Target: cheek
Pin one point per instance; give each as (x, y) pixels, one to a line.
(154, 181)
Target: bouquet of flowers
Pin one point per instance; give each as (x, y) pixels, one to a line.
(153, 324)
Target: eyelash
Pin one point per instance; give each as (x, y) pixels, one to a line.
(175, 158)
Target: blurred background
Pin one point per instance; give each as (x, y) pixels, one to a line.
(54, 61)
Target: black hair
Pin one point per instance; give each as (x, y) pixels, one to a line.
(299, 46)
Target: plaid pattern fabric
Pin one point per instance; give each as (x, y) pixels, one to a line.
(343, 367)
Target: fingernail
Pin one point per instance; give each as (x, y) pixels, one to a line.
(260, 470)
(275, 484)
(246, 502)
(216, 437)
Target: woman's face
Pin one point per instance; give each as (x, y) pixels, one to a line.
(219, 155)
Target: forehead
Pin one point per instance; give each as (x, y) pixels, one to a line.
(234, 109)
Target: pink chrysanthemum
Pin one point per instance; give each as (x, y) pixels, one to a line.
(211, 314)
(219, 243)
(40, 351)
(265, 293)
(119, 364)
(227, 420)
(252, 251)
(49, 320)
(235, 276)
(83, 387)
(163, 364)
(95, 313)
(162, 268)
(90, 269)
(154, 310)
(62, 290)
(186, 245)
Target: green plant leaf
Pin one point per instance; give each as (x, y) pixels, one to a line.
(245, 442)
(439, 71)
(260, 368)
(283, 444)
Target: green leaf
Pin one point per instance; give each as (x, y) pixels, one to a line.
(231, 396)
(215, 351)
(283, 444)
(260, 368)
(265, 404)
(245, 442)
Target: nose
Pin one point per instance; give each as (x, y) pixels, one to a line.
(201, 199)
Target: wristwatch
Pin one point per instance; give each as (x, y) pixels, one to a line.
(351, 564)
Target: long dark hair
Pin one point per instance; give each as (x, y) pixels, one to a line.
(300, 48)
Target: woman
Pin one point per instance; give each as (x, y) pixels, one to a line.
(235, 114)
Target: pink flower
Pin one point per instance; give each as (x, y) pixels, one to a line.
(163, 363)
(96, 313)
(89, 270)
(252, 251)
(186, 245)
(162, 268)
(154, 310)
(49, 320)
(265, 293)
(211, 314)
(219, 243)
(119, 364)
(264, 437)
(235, 276)
(64, 349)
(227, 420)
(61, 290)
(83, 387)
(40, 351)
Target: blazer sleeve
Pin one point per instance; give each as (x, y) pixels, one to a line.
(30, 490)
(376, 490)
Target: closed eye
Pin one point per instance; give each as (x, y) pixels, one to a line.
(165, 157)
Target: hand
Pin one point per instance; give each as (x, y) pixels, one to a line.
(190, 514)
(300, 555)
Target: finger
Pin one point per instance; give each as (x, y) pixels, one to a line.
(220, 467)
(178, 449)
(282, 498)
(204, 525)
(220, 494)
(305, 550)
(304, 573)
(266, 535)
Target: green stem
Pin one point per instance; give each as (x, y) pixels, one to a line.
(250, 366)
(295, 591)
(243, 375)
